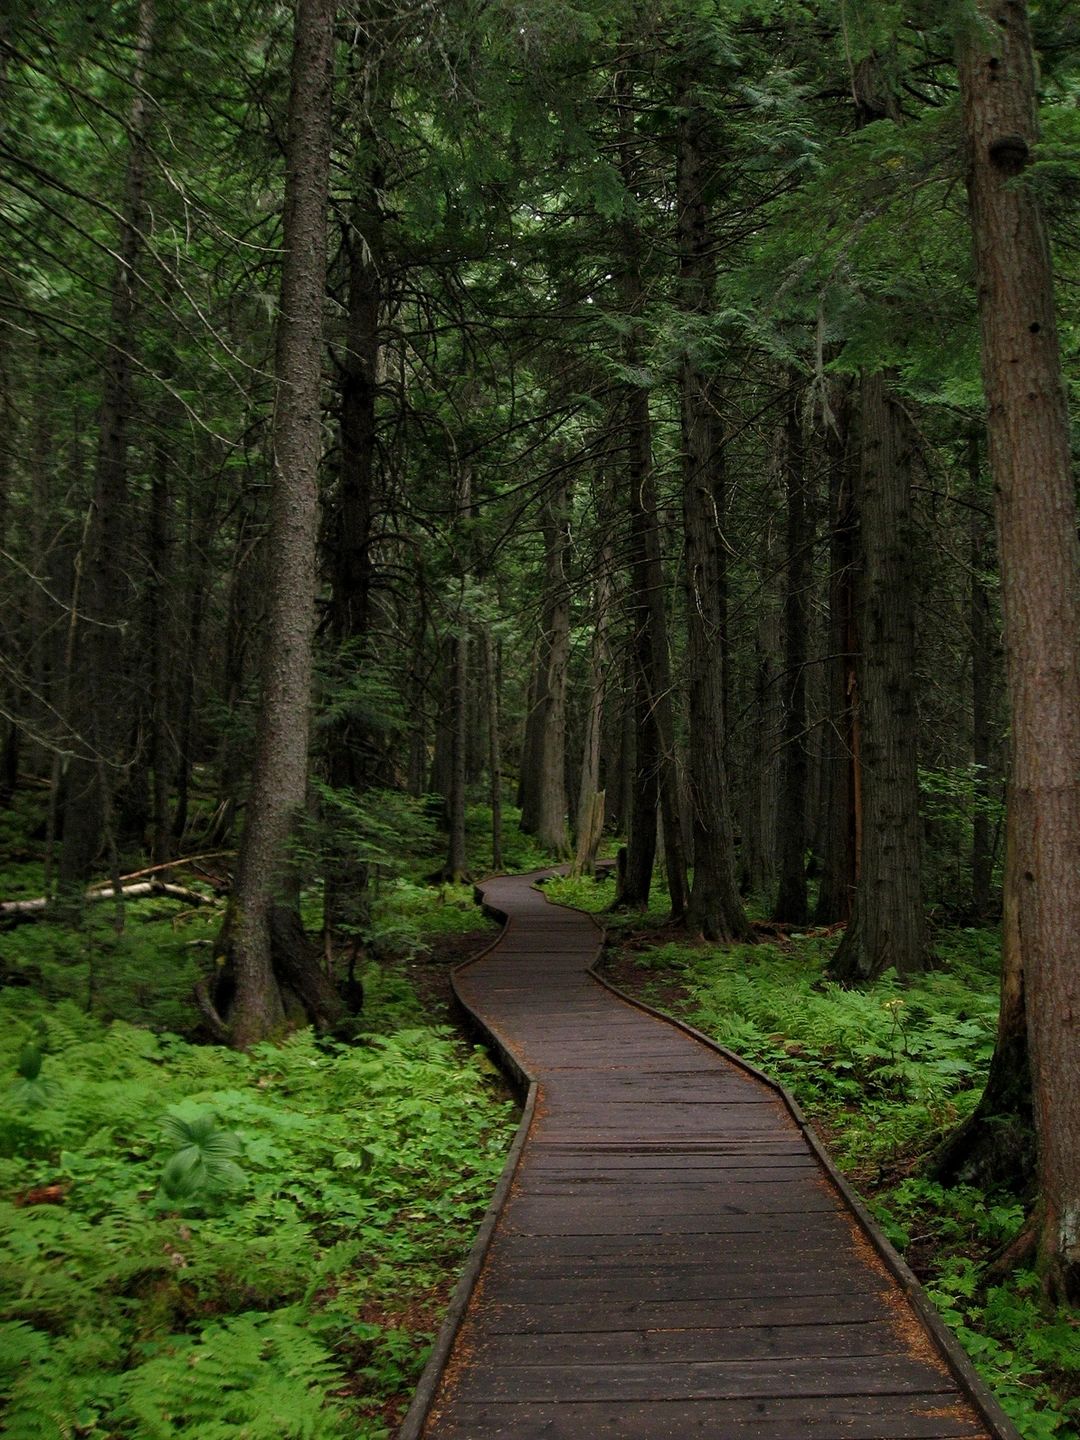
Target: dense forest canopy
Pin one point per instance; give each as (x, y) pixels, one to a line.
(643, 426)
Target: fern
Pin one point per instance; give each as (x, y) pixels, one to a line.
(336, 1146)
(262, 1375)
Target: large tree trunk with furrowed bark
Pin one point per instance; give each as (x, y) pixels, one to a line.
(995, 1146)
(983, 645)
(1028, 425)
(656, 775)
(888, 926)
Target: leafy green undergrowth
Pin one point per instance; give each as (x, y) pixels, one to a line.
(886, 1073)
(408, 917)
(520, 852)
(146, 973)
(203, 1244)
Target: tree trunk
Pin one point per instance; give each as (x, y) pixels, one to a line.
(457, 866)
(761, 786)
(528, 791)
(887, 927)
(983, 638)
(99, 656)
(1028, 424)
(714, 910)
(590, 805)
(791, 903)
(550, 754)
(641, 839)
(279, 777)
(656, 775)
(839, 867)
(491, 686)
(995, 1146)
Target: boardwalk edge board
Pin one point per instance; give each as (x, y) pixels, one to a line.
(417, 1413)
(999, 1425)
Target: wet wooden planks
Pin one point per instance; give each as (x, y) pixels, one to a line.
(671, 1258)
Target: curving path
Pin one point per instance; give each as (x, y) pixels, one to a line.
(669, 1254)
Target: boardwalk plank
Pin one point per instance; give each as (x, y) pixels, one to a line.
(923, 1418)
(761, 1343)
(628, 1380)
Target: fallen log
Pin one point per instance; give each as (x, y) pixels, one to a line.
(145, 888)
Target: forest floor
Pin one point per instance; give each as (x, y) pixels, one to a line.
(883, 1075)
(295, 1289)
(196, 1242)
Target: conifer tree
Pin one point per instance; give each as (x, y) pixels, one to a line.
(279, 776)
(1028, 424)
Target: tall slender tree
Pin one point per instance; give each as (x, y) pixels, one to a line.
(714, 905)
(279, 777)
(93, 781)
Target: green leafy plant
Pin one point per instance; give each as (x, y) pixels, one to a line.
(295, 1307)
(203, 1162)
(32, 1090)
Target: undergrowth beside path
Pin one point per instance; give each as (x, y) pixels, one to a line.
(200, 1244)
(884, 1073)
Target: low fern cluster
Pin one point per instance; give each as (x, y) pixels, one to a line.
(194, 1242)
(902, 1063)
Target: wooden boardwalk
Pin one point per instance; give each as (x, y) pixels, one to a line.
(669, 1254)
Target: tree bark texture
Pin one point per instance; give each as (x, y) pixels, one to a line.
(1028, 426)
(994, 1148)
(279, 776)
(887, 926)
(761, 786)
(655, 771)
(550, 752)
(791, 902)
(494, 729)
(714, 908)
(590, 803)
(983, 644)
(839, 868)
